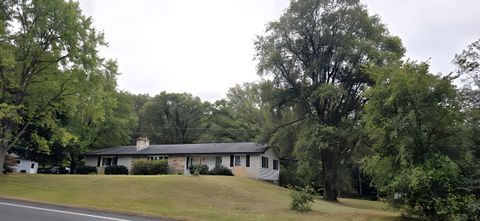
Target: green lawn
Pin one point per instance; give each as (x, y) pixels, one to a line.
(183, 197)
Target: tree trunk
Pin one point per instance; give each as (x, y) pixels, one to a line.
(360, 182)
(73, 164)
(3, 154)
(330, 192)
(329, 174)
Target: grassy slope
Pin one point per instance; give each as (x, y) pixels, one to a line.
(183, 197)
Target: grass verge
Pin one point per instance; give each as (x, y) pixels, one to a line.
(183, 197)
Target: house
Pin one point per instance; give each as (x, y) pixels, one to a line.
(245, 159)
(23, 165)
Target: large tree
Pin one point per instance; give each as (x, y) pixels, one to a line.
(172, 118)
(468, 68)
(316, 53)
(45, 47)
(420, 142)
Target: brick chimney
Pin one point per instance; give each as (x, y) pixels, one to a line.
(142, 143)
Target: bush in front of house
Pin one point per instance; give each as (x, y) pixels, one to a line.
(150, 167)
(87, 170)
(198, 169)
(220, 170)
(116, 170)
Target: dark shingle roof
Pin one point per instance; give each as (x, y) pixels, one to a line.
(206, 148)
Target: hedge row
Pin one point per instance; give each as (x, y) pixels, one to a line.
(87, 170)
(116, 170)
(150, 167)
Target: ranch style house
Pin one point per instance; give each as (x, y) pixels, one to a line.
(245, 159)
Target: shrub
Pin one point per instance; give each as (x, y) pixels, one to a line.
(7, 169)
(301, 199)
(220, 170)
(87, 170)
(116, 170)
(150, 167)
(198, 170)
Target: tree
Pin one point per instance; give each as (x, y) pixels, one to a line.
(316, 53)
(238, 118)
(41, 63)
(420, 142)
(227, 126)
(175, 118)
(139, 100)
(102, 118)
(468, 68)
(468, 63)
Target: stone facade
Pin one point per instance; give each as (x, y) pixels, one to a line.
(176, 164)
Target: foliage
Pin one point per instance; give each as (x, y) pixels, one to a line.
(289, 175)
(171, 118)
(86, 170)
(468, 68)
(227, 126)
(220, 170)
(414, 121)
(468, 63)
(316, 53)
(301, 199)
(116, 170)
(198, 169)
(56, 91)
(150, 167)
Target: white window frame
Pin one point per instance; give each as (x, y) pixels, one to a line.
(157, 157)
(103, 161)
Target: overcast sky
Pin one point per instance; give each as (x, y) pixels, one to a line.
(204, 47)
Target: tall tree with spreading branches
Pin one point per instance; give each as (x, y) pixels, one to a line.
(315, 53)
(47, 47)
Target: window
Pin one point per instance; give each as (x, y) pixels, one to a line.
(218, 161)
(157, 157)
(231, 160)
(237, 161)
(275, 164)
(109, 161)
(247, 160)
(32, 166)
(264, 162)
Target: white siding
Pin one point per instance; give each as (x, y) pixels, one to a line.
(25, 165)
(125, 161)
(121, 160)
(268, 173)
(91, 161)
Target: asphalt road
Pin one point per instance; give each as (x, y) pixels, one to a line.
(16, 210)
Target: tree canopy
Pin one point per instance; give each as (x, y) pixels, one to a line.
(316, 53)
(53, 82)
(171, 118)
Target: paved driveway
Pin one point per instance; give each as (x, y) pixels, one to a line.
(16, 210)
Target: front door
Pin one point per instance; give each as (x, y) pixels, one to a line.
(239, 169)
